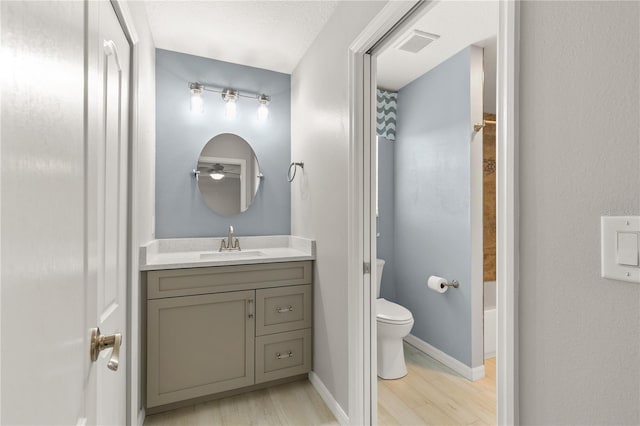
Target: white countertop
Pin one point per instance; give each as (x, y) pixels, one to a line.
(176, 253)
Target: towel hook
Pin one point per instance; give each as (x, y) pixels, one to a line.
(293, 166)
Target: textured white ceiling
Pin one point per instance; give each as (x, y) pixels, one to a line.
(266, 34)
(458, 23)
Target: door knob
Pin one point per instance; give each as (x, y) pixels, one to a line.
(100, 342)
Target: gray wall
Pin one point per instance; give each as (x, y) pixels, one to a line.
(579, 351)
(432, 204)
(386, 221)
(181, 135)
(319, 195)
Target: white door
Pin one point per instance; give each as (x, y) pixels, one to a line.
(64, 144)
(107, 171)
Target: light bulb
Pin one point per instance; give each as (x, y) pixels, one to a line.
(263, 112)
(230, 109)
(230, 97)
(197, 104)
(217, 176)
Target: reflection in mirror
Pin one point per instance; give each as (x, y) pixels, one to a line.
(228, 174)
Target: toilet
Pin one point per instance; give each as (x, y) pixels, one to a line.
(394, 322)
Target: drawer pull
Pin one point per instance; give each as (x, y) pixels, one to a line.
(289, 354)
(283, 310)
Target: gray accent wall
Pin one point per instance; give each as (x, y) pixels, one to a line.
(579, 334)
(386, 221)
(181, 135)
(432, 204)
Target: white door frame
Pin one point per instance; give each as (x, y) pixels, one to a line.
(362, 339)
(132, 336)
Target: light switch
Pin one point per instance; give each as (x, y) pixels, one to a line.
(627, 248)
(620, 236)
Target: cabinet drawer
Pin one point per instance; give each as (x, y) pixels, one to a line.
(283, 355)
(218, 279)
(283, 309)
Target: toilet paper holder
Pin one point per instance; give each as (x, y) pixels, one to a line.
(454, 284)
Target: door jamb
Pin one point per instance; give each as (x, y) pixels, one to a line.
(362, 359)
(358, 292)
(131, 339)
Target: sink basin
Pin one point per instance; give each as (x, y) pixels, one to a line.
(231, 254)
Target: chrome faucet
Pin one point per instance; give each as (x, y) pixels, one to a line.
(230, 244)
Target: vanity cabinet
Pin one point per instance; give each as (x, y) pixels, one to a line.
(223, 328)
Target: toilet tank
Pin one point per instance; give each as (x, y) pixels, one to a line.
(379, 267)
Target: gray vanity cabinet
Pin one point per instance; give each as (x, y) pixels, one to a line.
(203, 338)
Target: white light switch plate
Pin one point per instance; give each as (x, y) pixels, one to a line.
(619, 256)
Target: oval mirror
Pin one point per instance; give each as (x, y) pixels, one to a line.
(228, 174)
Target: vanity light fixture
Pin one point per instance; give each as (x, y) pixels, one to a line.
(263, 110)
(197, 104)
(230, 97)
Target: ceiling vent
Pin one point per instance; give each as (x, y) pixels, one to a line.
(415, 41)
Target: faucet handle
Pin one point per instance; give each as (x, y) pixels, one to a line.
(231, 229)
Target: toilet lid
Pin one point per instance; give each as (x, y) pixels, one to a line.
(392, 312)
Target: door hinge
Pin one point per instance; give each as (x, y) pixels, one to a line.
(367, 267)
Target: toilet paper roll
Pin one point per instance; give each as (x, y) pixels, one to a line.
(436, 284)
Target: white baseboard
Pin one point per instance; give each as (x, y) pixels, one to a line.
(488, 355)
(141, 416)
(328, 399)
(464, 370)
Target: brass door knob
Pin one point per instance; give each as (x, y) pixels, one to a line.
(100, 342)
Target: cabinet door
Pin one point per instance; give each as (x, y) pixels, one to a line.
(199, 345)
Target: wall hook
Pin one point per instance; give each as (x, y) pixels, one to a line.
(293, 166)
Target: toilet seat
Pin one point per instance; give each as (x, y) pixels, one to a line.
(392, 313)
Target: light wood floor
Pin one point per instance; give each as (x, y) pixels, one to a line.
(432, 394)
(293, 404)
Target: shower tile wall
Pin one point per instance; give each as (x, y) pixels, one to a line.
(489, 198)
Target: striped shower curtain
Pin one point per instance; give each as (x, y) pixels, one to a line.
(386, 113)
